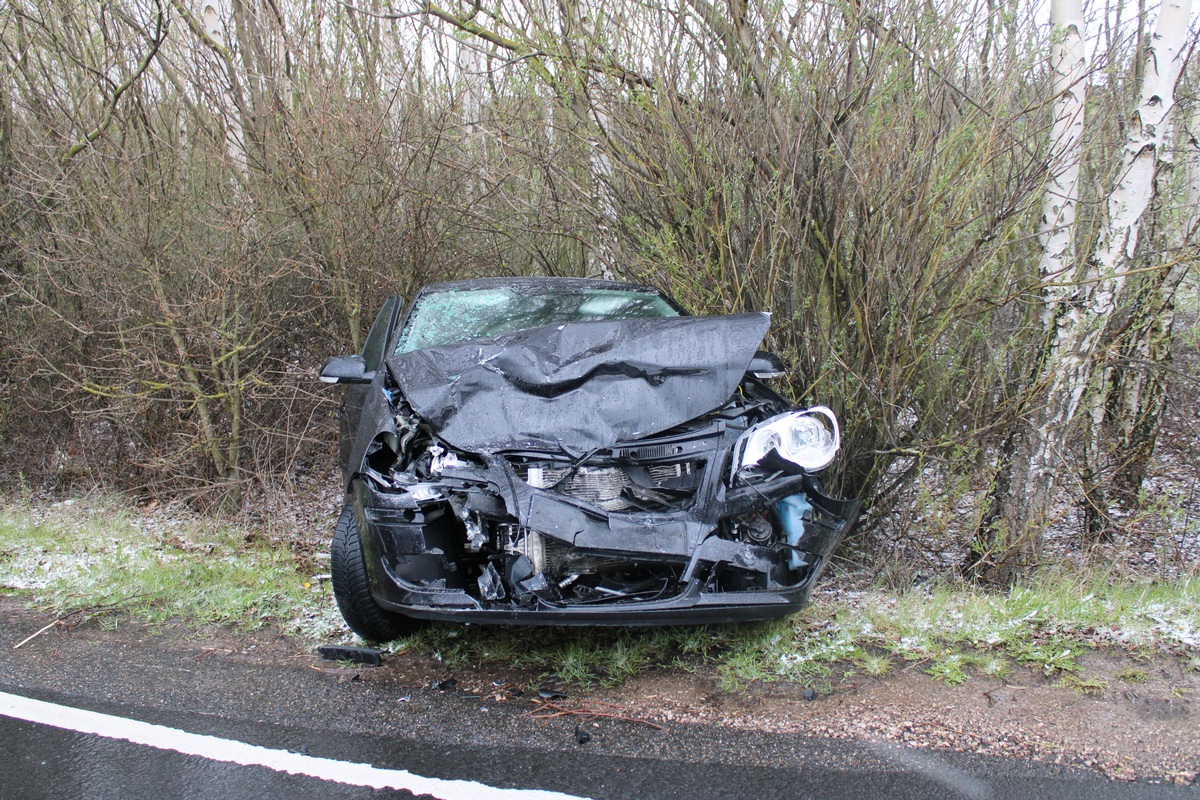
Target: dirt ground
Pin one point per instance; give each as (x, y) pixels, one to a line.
(1128, 730)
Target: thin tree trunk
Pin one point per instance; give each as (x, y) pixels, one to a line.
(1011, 540)
(1135, 405)
(1010, 537)
(1056, 230)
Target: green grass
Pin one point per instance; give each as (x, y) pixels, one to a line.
(103, 555)
(952, 631)
(993, 665)
(93, 556)
(1132, 675)
(950, 668)
(1092, 687)
(873, 664)
(580, 657)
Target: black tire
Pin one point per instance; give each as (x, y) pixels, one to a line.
(353, 591)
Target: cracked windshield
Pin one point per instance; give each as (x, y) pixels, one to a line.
(465, 314)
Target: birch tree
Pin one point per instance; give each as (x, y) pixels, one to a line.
(1076, 315)
(1129, 409)
(1056, 229)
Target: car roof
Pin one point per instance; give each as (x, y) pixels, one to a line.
(535, 282)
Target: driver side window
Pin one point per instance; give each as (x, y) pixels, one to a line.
(372, 353)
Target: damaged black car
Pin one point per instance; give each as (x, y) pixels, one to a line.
(554, 451)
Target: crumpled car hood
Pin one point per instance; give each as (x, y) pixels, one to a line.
(580, 386)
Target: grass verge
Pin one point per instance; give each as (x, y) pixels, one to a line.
(96, 555)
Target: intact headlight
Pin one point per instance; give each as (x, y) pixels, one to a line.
(799, 438)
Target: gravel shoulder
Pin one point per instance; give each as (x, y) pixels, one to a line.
(1127, 731)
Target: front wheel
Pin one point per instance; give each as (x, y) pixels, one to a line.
(352, 589)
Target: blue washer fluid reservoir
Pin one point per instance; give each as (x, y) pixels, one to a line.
(792, 512)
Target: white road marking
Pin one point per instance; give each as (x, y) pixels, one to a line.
(227, 750)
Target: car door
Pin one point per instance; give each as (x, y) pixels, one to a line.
(373, 354)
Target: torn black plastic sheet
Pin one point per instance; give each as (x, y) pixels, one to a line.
(367, 656)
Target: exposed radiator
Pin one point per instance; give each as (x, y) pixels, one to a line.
(600, 486)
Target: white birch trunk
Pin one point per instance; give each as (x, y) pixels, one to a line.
(1192, 190)
(1056, 231)
(1148, 134)
(471, 65)
(1025, 490)
(1104, 277)
(470, 73)
(213, 18)
(1136, 409)
(600, 254)
(600, 250)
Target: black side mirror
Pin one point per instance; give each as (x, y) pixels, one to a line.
(346, 369)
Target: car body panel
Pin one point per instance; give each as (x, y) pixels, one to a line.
(578, 386)
(376, 344)
(397, 540)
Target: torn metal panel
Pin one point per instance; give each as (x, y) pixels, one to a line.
(578, 386)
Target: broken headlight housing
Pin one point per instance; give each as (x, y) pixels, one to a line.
(791, 441)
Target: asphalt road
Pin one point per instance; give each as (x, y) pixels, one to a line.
(270, 696)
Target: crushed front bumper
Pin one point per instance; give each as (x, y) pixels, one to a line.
(413, 568)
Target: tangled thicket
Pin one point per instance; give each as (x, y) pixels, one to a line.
(200, 201)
